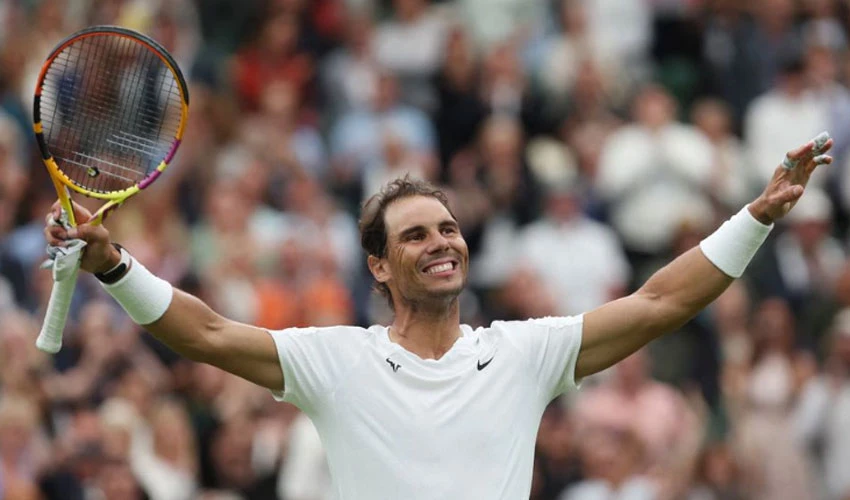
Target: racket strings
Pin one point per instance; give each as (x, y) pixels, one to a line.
(111, 109)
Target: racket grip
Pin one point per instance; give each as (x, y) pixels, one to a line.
(50, 338)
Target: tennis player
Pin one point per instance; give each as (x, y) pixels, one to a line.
(428, 408)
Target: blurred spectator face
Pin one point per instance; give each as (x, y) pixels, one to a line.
(631, 372)
(773, 326)
(821, 65)
(555, 438)
(459, 64)
(280, 100)
(574, 17)
(227, 209)
(654, 108)
(811, 233)
(562, 204)
(18, 417)
(713, 118)
(819, 8)
(718, 467)
(774, 14)
(502, 63)
(408, 10)
(172, 434)
(395, 149)
(231, 453)
(386, 94)
(279, 35)
(501, 140)
(611, 454)
(116, 481)
(359, 33)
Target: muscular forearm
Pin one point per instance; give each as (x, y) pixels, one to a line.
(188, 327)
(681, 289)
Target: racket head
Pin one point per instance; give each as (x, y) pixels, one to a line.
(109, 111)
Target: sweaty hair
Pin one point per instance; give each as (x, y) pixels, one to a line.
(373, 227)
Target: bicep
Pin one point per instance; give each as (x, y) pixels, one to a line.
(192, 329)
(614, 331)
(248, 352)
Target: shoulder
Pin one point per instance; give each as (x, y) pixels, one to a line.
(517, 328)
(342, 333)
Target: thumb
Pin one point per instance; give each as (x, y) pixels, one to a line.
(87, 232)
(792, 194)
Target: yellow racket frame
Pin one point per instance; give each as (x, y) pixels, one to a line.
(61, 181)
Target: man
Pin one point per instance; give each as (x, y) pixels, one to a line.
(428, 407)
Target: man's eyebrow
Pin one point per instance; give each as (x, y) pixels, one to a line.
(420, 227)
(411, 230)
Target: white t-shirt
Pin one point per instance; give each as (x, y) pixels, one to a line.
(398, 426)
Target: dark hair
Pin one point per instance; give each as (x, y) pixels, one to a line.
(373, 227)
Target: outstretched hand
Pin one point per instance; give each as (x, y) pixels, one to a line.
(99, 254)
(790, 179)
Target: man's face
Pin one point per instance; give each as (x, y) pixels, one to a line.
(427, 258)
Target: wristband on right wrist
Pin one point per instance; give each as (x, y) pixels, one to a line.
(117, 272)
(142, 294)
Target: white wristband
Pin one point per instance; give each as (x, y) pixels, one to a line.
(143, 295)
(733, 245)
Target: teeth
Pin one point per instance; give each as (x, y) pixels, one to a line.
(440, 268)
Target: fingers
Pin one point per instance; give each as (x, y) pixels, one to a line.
(817, 146)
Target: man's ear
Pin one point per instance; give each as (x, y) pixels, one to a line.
(379, 268)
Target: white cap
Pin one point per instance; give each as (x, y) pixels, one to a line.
(813, 206)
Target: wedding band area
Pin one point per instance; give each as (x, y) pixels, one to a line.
(789, 164)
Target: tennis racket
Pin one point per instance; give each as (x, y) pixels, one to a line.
(109, 111)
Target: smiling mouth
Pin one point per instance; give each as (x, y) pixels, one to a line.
(435, 269)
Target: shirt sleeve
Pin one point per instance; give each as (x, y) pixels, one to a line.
(550, 346)
(311, 360)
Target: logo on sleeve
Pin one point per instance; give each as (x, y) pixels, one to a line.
(395, 366)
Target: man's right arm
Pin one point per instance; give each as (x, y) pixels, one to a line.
(177, 319)
(192, 329)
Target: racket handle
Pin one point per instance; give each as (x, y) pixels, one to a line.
(50, 338)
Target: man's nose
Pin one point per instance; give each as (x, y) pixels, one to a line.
(438, 243)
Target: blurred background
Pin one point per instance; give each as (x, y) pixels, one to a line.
(583, 144)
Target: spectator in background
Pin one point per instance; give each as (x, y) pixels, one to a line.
(509, 185)
(281, 134)
(654, 174)
(822, 415)
(565, 52)
(349, 75)
(411, 45)
(733, 179)
(304, 471)
(760, 401)
(765, 130)
(163, 453)
(803, 263)
(581, 261)
(613, 466)
(630, 401)
(460, 107)
(274, 55)
(355, 139)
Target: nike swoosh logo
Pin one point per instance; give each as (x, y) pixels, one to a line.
(483, 365)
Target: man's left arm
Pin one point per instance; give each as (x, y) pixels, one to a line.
(678, 291)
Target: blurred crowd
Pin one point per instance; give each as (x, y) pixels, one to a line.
(583, 144)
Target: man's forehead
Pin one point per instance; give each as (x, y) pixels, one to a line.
(415, 211)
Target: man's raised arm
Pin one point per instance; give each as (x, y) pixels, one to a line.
(179, 320)
(678, 291)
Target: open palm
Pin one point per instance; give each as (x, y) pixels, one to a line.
(790, 179)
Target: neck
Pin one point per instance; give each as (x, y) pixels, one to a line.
(428, 332)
